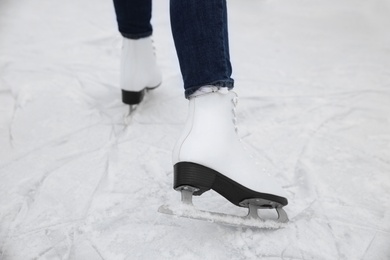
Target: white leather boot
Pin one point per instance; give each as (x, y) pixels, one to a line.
(210, 155)
(139, 71)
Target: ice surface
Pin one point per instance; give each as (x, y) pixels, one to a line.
(79, 180)
(189, 211)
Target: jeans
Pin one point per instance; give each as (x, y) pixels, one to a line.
(133, 17)
(200, 33)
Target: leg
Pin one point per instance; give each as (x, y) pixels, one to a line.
(200, 33)
(209, 153)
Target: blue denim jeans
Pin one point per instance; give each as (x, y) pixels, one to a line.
(200, 33)
(133, 17)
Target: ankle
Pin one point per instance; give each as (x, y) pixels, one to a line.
(208, 89)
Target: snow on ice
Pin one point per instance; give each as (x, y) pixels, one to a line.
(81, 180)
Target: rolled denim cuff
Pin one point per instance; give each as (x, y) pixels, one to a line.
(227, 83)
(137, 36)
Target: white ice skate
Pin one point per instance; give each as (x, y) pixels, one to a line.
(139, 71)
(210, 155)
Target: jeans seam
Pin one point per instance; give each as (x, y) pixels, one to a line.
(222, 35)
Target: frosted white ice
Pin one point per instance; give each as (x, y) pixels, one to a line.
(242, 221)
(77, 182)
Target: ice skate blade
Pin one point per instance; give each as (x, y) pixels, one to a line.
(191, 212)
(130, 113)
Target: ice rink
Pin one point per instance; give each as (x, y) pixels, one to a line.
(79, 179)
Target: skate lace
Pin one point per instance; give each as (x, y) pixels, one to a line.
(154, 48)
(235, 102)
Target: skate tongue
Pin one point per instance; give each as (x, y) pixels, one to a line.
(205, 90)
(191, 212)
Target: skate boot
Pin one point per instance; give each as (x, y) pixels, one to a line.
(139, 71)
(210, 155)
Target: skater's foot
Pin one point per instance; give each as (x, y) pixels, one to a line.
(139, 71)
(210, 155)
